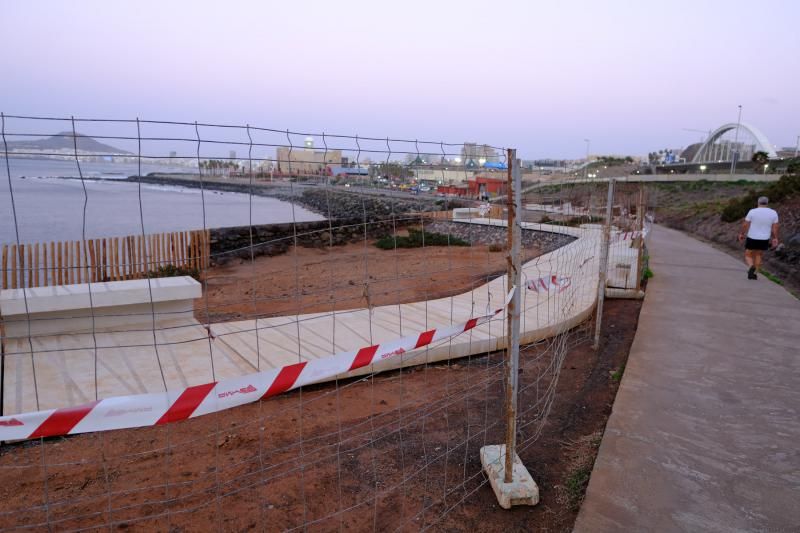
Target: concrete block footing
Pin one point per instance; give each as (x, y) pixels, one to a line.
(521, 491)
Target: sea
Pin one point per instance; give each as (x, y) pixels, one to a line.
(50, 203)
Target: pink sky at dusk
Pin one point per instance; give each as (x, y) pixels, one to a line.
(539, 76)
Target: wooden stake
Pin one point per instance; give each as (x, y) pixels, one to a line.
(44, 264)
(67, 269)
(5, 266)
(60, 264)
(92, 262)
(52, 264)
(78, 270)
(13, 266)
(106, 270)
(86, 266)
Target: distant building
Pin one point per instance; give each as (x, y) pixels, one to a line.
(478, 154)
(305, 160)
(480, 187)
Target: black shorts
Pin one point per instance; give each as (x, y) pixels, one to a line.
(756, 244)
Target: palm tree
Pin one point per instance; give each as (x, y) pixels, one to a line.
(760, 158)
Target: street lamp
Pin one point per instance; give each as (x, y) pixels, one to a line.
(702, 168)
(735, 153)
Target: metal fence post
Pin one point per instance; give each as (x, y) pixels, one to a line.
(510, 480)
(514, 259)
(604, 246)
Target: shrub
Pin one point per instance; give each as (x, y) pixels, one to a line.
(417, 238)
(777, 191)
(172, 271)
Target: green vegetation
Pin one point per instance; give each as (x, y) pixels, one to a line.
(647, 273)
(582, 454)
(611, 160)
(417, 239)
(772, 277)
(172, 271)
(777, 191)
(616, 375)
(575, 486)
(573, 221)
(760, 158)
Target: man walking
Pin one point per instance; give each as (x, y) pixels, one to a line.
(760, 227)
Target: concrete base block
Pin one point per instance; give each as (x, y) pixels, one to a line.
(521, 491)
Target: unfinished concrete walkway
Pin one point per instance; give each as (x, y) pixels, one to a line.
(705, 428)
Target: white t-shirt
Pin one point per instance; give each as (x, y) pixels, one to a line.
(761, 220)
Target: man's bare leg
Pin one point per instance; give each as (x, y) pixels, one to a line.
(748, 257)
(757, 259)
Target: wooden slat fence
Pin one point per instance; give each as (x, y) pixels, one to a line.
(105, 259)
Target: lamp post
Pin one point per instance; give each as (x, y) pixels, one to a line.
(797, 146)
(586, 167)
(736, 142)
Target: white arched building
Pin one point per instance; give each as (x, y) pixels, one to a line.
(720, 147)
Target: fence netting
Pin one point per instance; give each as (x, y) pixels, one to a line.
(210, 326)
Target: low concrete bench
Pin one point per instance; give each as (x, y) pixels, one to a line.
(113, 306)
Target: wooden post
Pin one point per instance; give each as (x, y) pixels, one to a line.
(21, 266)
(60, 264)
(45, 270)
(30, 267)
(78, 271)
(36, 266)
(98, 259)
(131, 257)
(53, 271)
(115, 259)
(156, 251)
(92, 264)
(193, 248)
(87, 270)
(106, 270)
(5, 266)
(67, 258)
(206, 248)
(138, 246)
(181, 248)
(150, 240)
(13, 266)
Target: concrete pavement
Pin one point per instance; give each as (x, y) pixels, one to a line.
(705, 430)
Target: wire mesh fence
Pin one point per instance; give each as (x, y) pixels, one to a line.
(335, 363)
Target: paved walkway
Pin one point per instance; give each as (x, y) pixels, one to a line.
(705, 431)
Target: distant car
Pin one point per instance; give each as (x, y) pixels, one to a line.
(424, 188)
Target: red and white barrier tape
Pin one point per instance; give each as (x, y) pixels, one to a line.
(171, 406)
(552, 283)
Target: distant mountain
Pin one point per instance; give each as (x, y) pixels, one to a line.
(64, 141)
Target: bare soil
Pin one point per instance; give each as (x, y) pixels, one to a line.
(396, 451)
(312, 280)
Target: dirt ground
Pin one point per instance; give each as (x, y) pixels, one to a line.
(345, 277)
(398, 451)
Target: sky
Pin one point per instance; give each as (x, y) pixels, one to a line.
(540, 76)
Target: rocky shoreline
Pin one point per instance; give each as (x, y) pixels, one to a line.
(327, 202)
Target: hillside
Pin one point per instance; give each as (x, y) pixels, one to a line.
(64, 141)
(714, 212)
